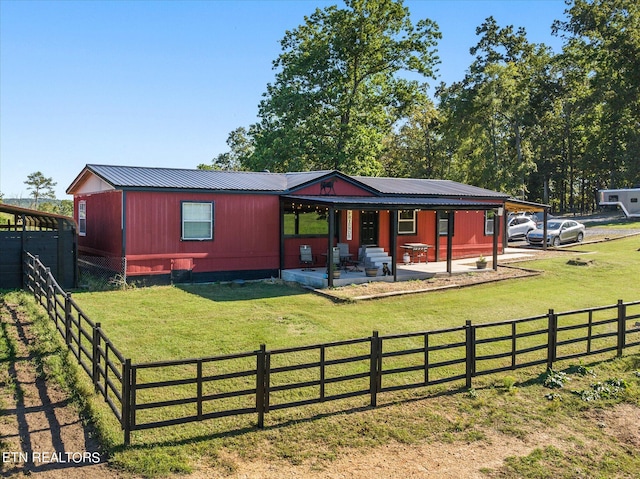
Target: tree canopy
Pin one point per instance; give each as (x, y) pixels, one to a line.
(350, 94)
(341, 86)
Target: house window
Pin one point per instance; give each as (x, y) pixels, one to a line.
(488, 222)
(197, 221)
(407, 222)
(82, 218)
(443, 223)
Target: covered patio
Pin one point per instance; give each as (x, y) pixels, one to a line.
(322, 276)
(318, 277)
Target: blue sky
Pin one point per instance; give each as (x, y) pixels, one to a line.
(162, 83)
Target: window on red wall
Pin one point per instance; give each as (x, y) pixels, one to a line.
(488, 222)
(82, 218)
(197, 221)
(443, 223)
(407, 222)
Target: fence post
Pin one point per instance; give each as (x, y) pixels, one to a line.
(48, 282)
(470, 340)
(95, 358)
(552, 338)
(260, 389)
(622, 326)
(199, 389)
(126, 401)
(373, 369)
(67, 319)
(37, 278)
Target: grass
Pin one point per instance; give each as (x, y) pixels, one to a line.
(170, 322)
(231, 319)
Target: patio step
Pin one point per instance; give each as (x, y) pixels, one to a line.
(376, 256)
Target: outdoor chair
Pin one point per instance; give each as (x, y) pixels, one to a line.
(306, 256)
(335, 256)
(346, 258)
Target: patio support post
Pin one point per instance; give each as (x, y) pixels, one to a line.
(496, 230)
(332, 228)
(545, 217)
(449, 240)
(394, 243)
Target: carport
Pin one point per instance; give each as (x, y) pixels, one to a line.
(516, 205)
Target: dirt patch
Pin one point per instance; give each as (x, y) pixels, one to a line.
(621, 422)
(381, 289)
(41, 430)
(395, 461)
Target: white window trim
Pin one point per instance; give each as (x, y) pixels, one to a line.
(412, 221)
(183, 221)
(488, 223)
(82, 218)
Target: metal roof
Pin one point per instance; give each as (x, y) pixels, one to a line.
(426, 187)
(133, 177)
(176, 178)
(394, 202)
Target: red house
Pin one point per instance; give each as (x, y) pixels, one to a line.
(199, 225)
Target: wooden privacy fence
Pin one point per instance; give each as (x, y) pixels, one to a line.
(256, 382)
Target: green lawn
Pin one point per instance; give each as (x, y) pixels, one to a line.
(158, 323)
(161, 323)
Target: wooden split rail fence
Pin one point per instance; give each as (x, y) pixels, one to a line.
(260, 381)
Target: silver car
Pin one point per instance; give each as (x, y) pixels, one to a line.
(558, 232)
(519, 226)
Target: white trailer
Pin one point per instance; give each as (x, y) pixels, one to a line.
(628, 199)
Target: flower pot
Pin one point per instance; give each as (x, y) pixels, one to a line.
(481, 264)
(371, 271)
(406, 258)
(336, 274)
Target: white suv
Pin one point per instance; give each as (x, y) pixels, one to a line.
(519, 227)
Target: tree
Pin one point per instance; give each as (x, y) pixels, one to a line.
(489, 114)
(415, 148)
(341, 86)
(605, 34)
(40, 187)
(241, 149)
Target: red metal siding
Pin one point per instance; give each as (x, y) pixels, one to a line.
(104, 223)
(340, 187)
(468, 235)
(246, 233)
